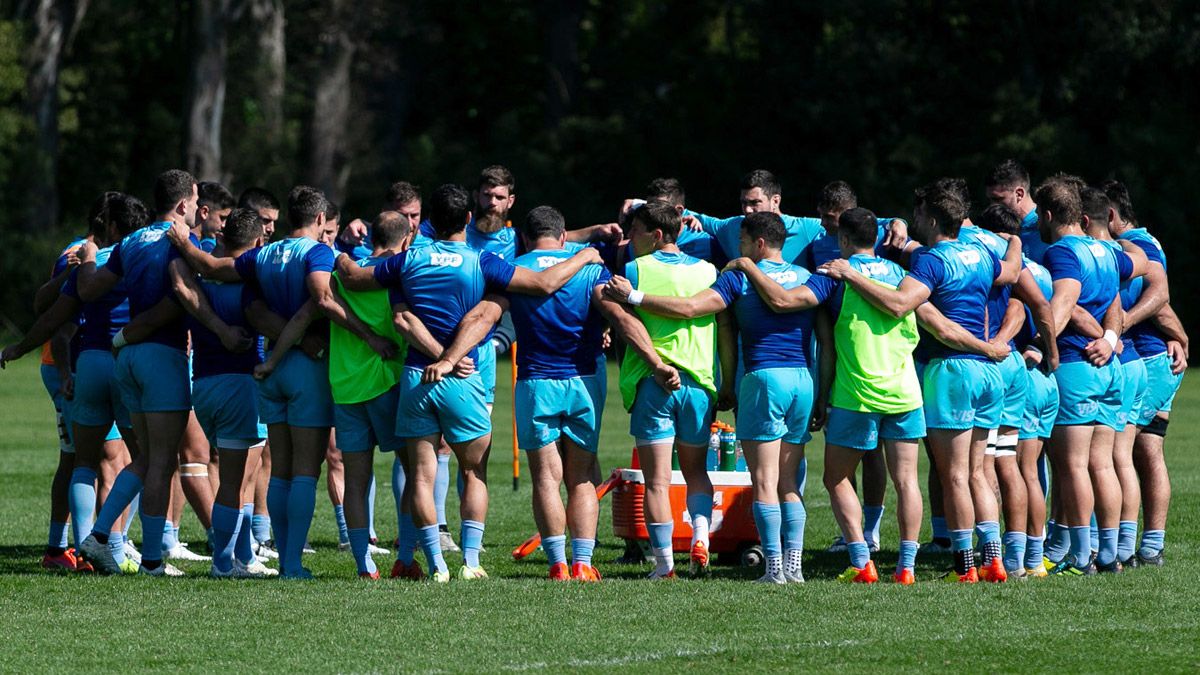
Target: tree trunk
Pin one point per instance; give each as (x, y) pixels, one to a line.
(561, 40)
(328, 165)
(54, 23)
(268, 77)
(206, 96)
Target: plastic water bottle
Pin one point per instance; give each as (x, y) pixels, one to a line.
(713, 459)
(741, 458)
(728, 449)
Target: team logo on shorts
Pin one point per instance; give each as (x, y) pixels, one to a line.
(1087, 408)
(962, 415)
(446, 259)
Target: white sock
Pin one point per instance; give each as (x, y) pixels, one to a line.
(774, 565)
(700, 530)
(794, 558)
(664, 559)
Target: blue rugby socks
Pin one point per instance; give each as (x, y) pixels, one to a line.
(302, 501)
(908, 556)
(81, 501)
(1014, 550)
(339, 518)
(555, 548)
(767, 517)
(700, 509)
(441, 486)
(472, 541)
(278, 492)
(360, 540)
(1126, 539)
(660, 544)
(581, 550)
(872, 517)
(431, 544)
(225, 521)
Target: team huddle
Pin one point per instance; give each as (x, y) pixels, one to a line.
(193, 359)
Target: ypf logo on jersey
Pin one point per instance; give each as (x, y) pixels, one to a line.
(969, 257)
(873, 270)
(784, 277)
(1098, 250)
(446, 259)
(544, 261)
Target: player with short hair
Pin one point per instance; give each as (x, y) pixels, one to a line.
(364, 387)
(1087, 273)
(440, 283)
(294, 401)
(265, 204)
(558, 401)
(1008, 184)
(213, 205)
(961, 389)
(1156, 334)
(660, 419)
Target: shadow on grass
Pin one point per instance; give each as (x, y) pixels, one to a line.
(22, 561)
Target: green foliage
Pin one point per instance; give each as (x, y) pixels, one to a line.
(884, 94)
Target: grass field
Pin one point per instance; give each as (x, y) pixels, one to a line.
(1144, 621)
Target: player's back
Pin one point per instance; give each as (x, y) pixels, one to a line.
(1147, 338)
(209, 356)
(559, 334)
(101, 318)
(1096, 267)
(1046, 285)
(772, 339)
(960, 275)
(280, 270)
(141, 259)
(999, 295)
(440, 283)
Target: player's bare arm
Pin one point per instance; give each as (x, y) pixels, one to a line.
(551, 279)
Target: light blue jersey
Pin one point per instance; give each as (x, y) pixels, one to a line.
(1031, 239)
(801, 232)
(1147, 338)
(280, 271)
(141, 260)
(959, 276)
(1099, 270)
(825, 247)
(440, 283)
(559, 334)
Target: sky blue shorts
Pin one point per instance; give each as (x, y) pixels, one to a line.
(548, 409)
(1133, 393)
(1041, 405)
(1089, 395)
(454, 408)
(1161, 385)
(97, 397)
(153, 378)
(684, 414)
(297, 393)
(864, 430)
(963, 394)
(1015, 382)
(487, 370)
(227, 408)
(359, 427)
(775, 403)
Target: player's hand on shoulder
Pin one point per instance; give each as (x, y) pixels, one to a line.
(837, 269)
(739, 264)
(618, 288)
(86, 252)
(610, 232)
(606, 339)
(354, 233)
(179, 234)
(590, 256)
(897, 235)
(263, 370)
(693, 223)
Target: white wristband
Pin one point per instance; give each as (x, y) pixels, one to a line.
(1111, 338)
(635, 297)
(118, 340)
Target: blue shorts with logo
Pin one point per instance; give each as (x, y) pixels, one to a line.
(454, 408)
(153, 378)
(775, 403)
(963, 394)
(1089, 395)
(227, 409)
(1133, 393)
(359, 427)
(1161, 385)
(549, 409)
(864, 430)
(684, 414)
(97, 396)
(487, 370)
(1015, 382)
(1041, 405)
(297, 393)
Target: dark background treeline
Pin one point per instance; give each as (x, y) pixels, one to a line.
(586, 101)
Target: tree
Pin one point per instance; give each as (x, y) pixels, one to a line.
(54, 25)
(328, 166)
(206, 94)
